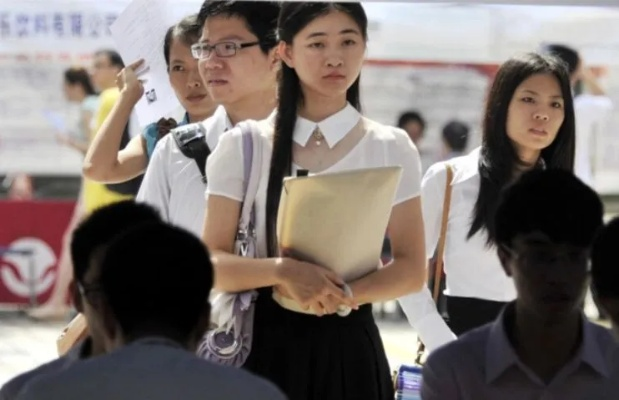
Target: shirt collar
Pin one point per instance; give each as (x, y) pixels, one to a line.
(216, 125)
(592, 351)
(499, 352)
(185, 119)
(222, 119)
(271, 118)
(468, 166)
(500, 355)
(333, 128)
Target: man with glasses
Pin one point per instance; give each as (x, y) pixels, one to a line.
(238, 63)
(541, 346)
(93, 233)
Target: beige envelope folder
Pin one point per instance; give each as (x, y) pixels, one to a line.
(338, 220)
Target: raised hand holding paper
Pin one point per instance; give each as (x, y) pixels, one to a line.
(138, 33)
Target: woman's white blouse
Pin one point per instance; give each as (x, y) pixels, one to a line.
(381, 146)
(472, 268)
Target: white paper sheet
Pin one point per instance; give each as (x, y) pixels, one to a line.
(138, 32)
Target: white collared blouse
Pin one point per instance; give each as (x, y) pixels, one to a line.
(381, 146)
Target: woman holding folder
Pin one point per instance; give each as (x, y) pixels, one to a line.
(309, 350)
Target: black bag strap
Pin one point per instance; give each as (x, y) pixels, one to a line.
(125, 138)
(191, 140)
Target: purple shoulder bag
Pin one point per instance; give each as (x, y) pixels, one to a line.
(230, 343)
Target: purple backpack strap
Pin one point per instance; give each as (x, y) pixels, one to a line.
(230, 343)
(248, 153)
(247, 217)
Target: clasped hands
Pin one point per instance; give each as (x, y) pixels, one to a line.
(313, 286)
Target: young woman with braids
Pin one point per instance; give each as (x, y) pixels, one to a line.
(316, 354)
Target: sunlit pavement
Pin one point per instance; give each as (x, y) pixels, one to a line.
(25, 344)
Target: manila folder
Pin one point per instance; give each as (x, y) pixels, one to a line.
(338, 220)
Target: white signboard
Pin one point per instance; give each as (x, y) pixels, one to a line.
(38, 41)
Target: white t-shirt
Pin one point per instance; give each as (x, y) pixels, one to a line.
(381, 146)
(592, 114)
(173, 184)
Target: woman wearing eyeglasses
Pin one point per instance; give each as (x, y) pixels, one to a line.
(104, 162)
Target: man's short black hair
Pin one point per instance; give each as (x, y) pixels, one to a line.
(568, 55)
(456, 135)
(411, 116)
(553, 202)
(100, 227)
(605, 261)
(157, 276)
(260, 17)
(115, 59)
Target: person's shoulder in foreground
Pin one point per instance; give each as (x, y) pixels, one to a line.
(541, 346)
(151, 372)
(480, 365)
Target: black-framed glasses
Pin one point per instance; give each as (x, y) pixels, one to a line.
(202, 51)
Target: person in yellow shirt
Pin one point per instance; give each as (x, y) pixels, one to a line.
(107, 64)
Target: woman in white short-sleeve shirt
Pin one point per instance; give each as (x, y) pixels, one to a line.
(320, 355)
(528, 123)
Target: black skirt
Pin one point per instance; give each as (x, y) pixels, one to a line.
(319, 358)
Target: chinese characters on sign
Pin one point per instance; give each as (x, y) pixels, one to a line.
(14, 25)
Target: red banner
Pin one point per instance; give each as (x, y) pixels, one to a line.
(30, 245)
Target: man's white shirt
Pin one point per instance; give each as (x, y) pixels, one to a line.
(173, 184)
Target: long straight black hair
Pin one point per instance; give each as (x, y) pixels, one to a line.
(293, 18)
(498, 158)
